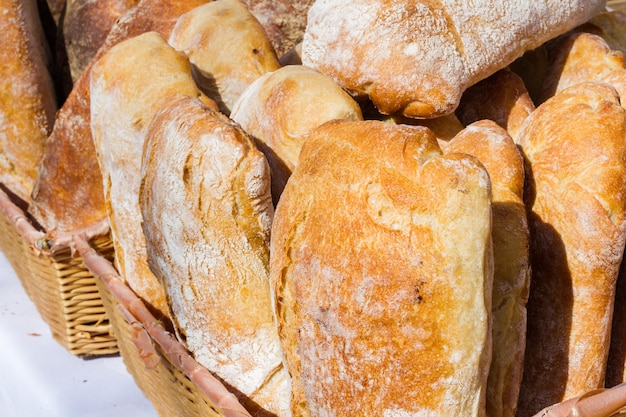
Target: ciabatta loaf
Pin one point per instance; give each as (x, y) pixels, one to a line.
(68, 196)
(575, 145)
(203, 34)
(123, 102)
(497, 151)
(27, 95)
(502, 97)
(417, 57)
(207, 211)
(381, 267)
(280, 109)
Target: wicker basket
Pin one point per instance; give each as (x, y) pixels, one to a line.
(62, 289)
(175, 384)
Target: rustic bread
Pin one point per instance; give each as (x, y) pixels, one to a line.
(417, 57)
(444, 127)
(497, 151)
(502, 97)
(580, 56)
(381, 268)
(576, 181)
(85, 26)
(227, 48)
(207, 210)
(68, 197)
(123, 102)
(280, 109)
(26, 93)
(284, 21)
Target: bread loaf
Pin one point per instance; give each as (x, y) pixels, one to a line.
(281, 108)
(226, 46)
(123, 102)
(381, 268)
(207, 211)
(497, 151)
(417, 57)
(502, 97)
(284, 21)
(578, 57)
(576, 181)
(68, 197)
(85, 26)
(26, 93)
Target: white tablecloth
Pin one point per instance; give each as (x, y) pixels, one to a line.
(39, 378)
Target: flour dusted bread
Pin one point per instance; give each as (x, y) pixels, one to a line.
(417, 57)
(381, 266)
(26, 93)
(68, 197)
(226, 46)
(85, 26)
(502, 97)
(578, 57)
(207, 213)
(576, 181)
(497, 151)
(281, 108)
(123, 102)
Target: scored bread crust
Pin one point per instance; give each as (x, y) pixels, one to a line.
(381, 268)
(417, 57)
(497, 151)
(575, 151)
(207, 214)
(26, 93)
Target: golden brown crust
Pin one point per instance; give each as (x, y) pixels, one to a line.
(417, 57)
(207, 215)
(68, 195)
(576, 182)
(497, 151)
(266, 111)
(26, 93)
(86, 24)
(502, 98)
(204, 32)
(580, 56)
(382, 297)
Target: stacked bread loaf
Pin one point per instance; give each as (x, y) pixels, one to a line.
(353, 208)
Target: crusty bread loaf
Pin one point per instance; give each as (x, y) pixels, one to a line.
(580, 56)
(68, 196)
(207, 211)
(284, 21)
(85, 26)
(267, 111)
(497, 151)
(27, 96)
(123, 102)
(502, 97)
(417, 57)
(381, 268)
(445, 127)
(576, 181)
(227, 48)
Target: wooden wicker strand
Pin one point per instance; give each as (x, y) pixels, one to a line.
(141, 320)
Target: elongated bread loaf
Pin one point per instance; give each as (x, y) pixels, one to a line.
(227, 48)
(575, 145)
(207, 213)
(68, 196)
(123, 102)
(381, 267)
(417, 57)
(27, 96)
(497, 151)
(267, 111)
